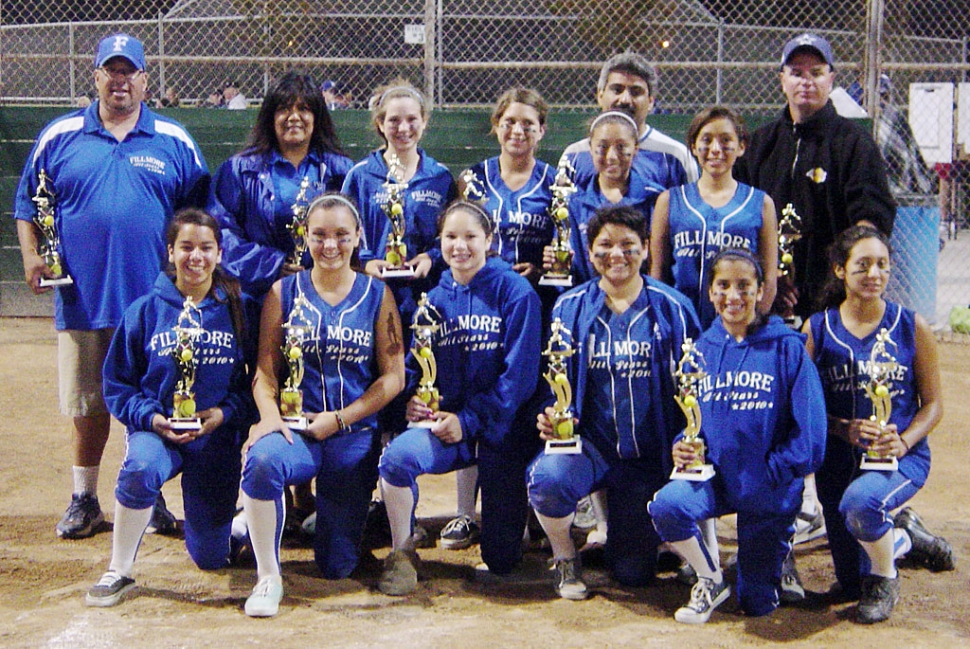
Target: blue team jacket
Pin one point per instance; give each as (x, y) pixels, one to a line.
(487, 349)
(763, 414)
(140, 374)
(668, 319)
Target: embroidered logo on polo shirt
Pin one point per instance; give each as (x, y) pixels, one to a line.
(148, 163)
(817, 175)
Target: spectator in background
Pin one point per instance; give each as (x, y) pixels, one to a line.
(336, 94)
(214, 100)
(170, 99)
(234, 100)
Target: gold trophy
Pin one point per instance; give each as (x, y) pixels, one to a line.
(882, 364)
(558, 350)
(44, 220)
(562, 190)
(690, 372)
(789, 232)
(425, 326)
(296, 330)
(187, 330)
(297, 226)
(396, 251)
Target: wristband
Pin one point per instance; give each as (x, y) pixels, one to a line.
(340, 420)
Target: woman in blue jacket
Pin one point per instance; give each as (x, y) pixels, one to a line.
(253, 192)
(856, 503)
(140, 376)
(488, 338)
(352, 366)
(613, 144)
(626, 330)
(763, 421)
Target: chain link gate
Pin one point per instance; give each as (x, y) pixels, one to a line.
(911, 54)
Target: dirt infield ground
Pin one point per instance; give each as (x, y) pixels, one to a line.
(43, 580)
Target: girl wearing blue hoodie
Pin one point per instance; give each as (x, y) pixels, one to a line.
(140, 376)
(487, 347)
(763, 421)
(626, 330)
(864, 537)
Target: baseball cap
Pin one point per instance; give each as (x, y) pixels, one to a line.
(808, 41)
(330, 84)
(123, 45)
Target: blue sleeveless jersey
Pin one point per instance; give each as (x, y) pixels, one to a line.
(843, 365)
(340, 360)
(698, 232)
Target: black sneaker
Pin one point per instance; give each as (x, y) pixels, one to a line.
(82, 519)
(929, 550)
(163, 521)
(109, 590)
(879, 596)
(705, 596)
(459, 533)
(792, 590)
(568, 576)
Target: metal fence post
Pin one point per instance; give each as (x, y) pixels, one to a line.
(430, 38)
(874, 24)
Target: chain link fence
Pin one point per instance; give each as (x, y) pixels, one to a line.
(912, 55)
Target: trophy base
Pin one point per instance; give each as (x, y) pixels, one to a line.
(298, 424)
(553, 280)
(399, 271)
(185, 423)
(424, 423)
(879, 463)
(701, 473)
(56, 281)
(572, 446)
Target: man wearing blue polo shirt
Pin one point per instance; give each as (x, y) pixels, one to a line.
(118, 172)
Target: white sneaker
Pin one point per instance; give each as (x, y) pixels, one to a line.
(266, 597)
(809, 527)
(569, 579)
(705, 596)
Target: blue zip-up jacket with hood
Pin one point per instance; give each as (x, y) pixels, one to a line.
(763, 414)
(254, 217)
(641, 195)
(487, 349)
(140, 374)
(667, 319)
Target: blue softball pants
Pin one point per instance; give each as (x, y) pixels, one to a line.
(501, 471)
(210, 484)
(557, 482)
(345, 467)
(764, 537)
(857, 506)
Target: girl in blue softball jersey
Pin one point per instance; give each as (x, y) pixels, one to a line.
(857, 503)
(763, 421)
(253, 192)
(140, 376)
(626, 331)
(613, 143)
(487, 347)
(353, 365)
(692, 223)
(517, 195)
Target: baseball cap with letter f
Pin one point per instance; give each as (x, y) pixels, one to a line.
(123, 45)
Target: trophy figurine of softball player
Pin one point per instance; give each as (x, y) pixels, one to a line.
(297, 226)
(562, 190)
(882, 364)
(44, 220)
(296, 329)
(690, 372)
(789, 231)
(396, 250)
(425, 326)
(558, 350)
(187, 330)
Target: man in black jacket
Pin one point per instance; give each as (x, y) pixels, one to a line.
(827, 167)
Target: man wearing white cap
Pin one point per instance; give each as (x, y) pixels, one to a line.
(118, 172)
